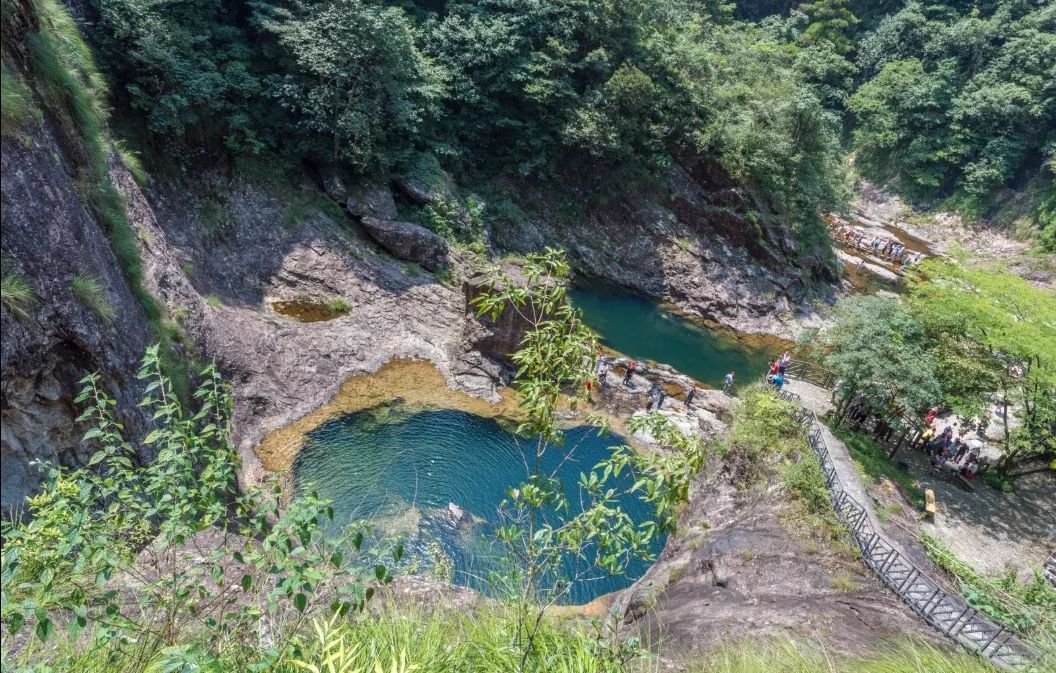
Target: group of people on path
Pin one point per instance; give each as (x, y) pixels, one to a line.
(880, 245)
(947, 450)
(776, 370)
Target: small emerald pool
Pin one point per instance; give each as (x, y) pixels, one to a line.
(641, 329)
(403, 469)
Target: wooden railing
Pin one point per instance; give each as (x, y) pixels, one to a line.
(808, 371)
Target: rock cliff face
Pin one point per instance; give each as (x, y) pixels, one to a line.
(218, 253)
(221, 287)
(49, 238)
(695, 241)
(737, 568)
(709, 261)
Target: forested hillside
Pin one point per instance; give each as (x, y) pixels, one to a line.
(491, 88)
(941, 100)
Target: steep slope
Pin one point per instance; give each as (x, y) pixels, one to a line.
(50, 238)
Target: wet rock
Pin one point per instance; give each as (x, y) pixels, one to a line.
(427, 594)
(457, 514)
(408, 241)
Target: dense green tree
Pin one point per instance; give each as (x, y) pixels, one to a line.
(993, 339)
(881, 352)
(520, 71)
(831, 25)
(621, 120)
(187, 67)
(360, 86)
(830, 74)
(959, 100)
(903, 127)
(738, 98)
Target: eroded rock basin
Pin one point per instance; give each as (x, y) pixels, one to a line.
(415, 383)
(310, 310)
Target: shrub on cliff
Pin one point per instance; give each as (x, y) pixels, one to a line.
(136, 562)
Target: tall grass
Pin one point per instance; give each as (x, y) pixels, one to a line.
(396, 641)
(1028, 607)
(812, 504)
(75, 93)
(482, 641)
(787, 656)
(89, 290)
(16, 104)
(16, 294)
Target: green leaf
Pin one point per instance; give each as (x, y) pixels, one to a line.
(44, 626)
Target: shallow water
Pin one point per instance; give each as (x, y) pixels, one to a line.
(401, 467)
(644, 330)
(307, 311)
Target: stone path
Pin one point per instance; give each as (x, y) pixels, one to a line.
(819, 400)
(988, 529)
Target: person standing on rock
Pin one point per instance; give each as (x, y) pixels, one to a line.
(655, 397)
(603, 373)
(691, 394)
(631, 366)
(727, 383)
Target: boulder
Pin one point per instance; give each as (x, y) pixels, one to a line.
(409, 241)
(426, 182)
(456, 513)
(360, 201)
(504, 335)
(371, 202)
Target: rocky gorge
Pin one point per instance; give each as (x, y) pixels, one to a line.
(218, 281)
(300, 207)
(218, 269)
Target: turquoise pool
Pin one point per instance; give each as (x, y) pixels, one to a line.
(641, 329)
(402, 468)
